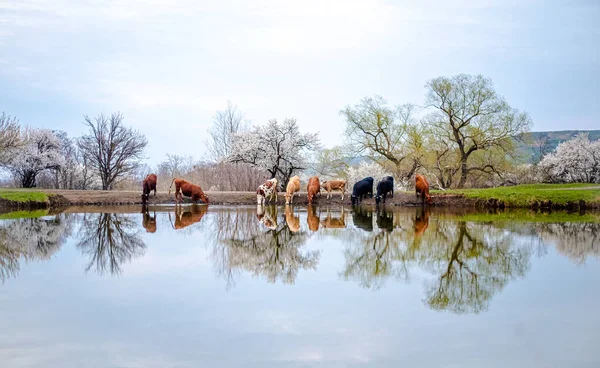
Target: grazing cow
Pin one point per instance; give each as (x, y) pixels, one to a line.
(362, 189)
(185, 218)
(293, 186)
(266, 192)
(363, 219)
(184, 188)
(148, 185)
(331, 185)
(422, 189)
(312, 219)
(149, 222)
(421, 221)
(313, 188)
(293, 222)
(385, 186)
(268, 216)
(334, 223)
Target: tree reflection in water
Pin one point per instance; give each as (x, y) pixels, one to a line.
(30, 239)
(576, 240)
(110, 239)
(471, 262)
(275, 251)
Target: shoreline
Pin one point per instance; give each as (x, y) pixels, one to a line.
(67, 198)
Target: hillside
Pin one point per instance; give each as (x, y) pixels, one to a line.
(536, 142)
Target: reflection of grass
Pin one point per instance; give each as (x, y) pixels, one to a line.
(524, 195)
(22, 195)
(528, 216)
(23, 214)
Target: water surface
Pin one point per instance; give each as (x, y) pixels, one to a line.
(248, 287)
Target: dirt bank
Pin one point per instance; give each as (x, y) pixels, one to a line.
(65, 198)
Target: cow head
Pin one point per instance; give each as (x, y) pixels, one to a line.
(145, 198)
(428, 198)
(354, 200)
(204, 198)
(377, 199)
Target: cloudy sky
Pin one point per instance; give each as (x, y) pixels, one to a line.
(168, 65)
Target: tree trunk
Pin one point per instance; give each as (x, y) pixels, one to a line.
(28, 180)
(463, 172)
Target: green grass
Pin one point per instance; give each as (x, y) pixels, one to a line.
(524, 195)
(23, 195)
(23, 214)
(528, 216)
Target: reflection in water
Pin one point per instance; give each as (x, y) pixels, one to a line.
(277, 253)
(331, 222)
(110, 239)
(149, 222)
(267, 216)
(363, 218)
(576, 240)
(292, 221)
(31, 239)
(312, 219)
(189, 215)
(470, 261)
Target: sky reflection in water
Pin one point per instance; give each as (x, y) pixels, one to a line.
(299, 287)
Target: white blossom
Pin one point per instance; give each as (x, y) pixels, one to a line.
(574, 161)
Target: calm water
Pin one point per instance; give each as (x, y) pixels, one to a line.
(229, 287)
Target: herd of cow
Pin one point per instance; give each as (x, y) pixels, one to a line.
(268, 191)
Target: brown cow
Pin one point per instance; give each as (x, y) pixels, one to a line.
(422, 189)
(187, 189)
(334, 223)
(293, 222)
(186, 218)
(149, 222)
(312, 219)
(293, 186)
(148, 185)
(313, 188)
(331, 185)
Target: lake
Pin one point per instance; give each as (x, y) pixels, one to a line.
(294, 287)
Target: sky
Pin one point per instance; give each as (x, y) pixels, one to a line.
(169, 65)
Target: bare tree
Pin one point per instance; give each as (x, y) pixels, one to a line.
(471, 116)
(9, 134)
(111, 149)
(226, 123)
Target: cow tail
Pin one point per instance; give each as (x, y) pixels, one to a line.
(171, 185)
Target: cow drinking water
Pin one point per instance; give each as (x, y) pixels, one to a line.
(385, 186)
(362, 189)
(313, 188)
(184, 188)
(422, 189)
(266, 191)
(148, 185)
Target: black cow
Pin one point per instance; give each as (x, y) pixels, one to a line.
(385, 186)
(362, 189)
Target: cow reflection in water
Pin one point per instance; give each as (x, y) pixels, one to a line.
(363, 218)
(187, 216)
(267, 215)
(334, 222)
(421, 221)
(311, 218)
(148, 222)
(470, 261)
(292, 221)
(110, 239)
(275, 251)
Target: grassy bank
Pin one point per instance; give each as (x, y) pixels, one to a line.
(23, 195)
(528, 195)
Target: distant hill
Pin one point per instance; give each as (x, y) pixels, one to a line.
(529, 147)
